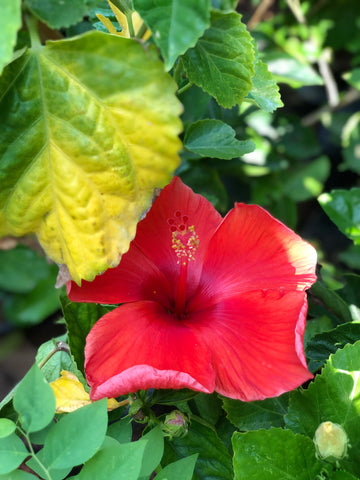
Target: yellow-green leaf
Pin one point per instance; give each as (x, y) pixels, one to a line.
(89, 128)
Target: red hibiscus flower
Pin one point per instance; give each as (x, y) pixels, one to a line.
(207, 303)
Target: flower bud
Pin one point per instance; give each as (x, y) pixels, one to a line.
(175, 424)
(331, 441)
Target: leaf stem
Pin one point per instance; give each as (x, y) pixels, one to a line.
(32, 25)
(142, 30)
(33, 454)
(130, 24)
(184, 88)
(60, 347)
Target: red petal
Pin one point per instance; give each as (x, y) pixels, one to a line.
(150, 269)
(251, 250)
(256, 343)
(140, 346)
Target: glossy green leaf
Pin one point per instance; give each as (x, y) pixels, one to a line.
(343, 208)
(181, 470)
(274, 454)
(254, 415)
(214, 460)
(10, 22)
(215, 139)
(222, 62)
(176, 25)
(18, 475)
(34, 401)
(265, 92)
(333, 396)
(58, 14)
(115, 462)
(90, 128)
(350, 141)
(7, 427)
(154, 450)
(79, 318)
(12, 453)
(288, 69)
(76, 437)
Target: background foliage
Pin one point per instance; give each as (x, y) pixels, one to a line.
(268, 95)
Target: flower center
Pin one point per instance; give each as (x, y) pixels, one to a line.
(184, 242)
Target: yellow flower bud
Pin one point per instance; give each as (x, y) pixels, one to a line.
(331, 441)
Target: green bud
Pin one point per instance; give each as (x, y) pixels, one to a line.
(331, 441)
(175, 424)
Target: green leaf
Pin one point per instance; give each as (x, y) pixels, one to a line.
(222, 62)
(214, 460)
(181, 470)
(34, 401)
(255, 415)
(341, 475)
(115, 462)
(10, 22)
(308, 181)
(351, 294)
(60, 360)
(18, 475)
(58, 14)
(353, 78)
(350, 141)
(36, 462)
(343, 208)
(176, 25)
(332, 300)
(209, 407)
(333, 396)
(321, 346)
(76, 437)
(121, 430)
(265, 92)
(274, 454)
(12, 453)
(288, 69)
(7, 427)
(79, 318)
(215, 139)
(89, 128)
(154, 450)
(171, 397)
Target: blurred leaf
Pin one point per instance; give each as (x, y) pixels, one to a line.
(213, 462)
(333, 396)
(76, 437)
(10, 23)
(341, 475)
(34, 401)
(222, 61)
(181, 470)
(351, 294)
(79, 318)
(12, 453)
(215, 139)
(176, 24)
(18, 475)
(255, 415)
(265, 92)
(308, 181)
(22, 268)
(343, 208)
(351, 257)
(290, 70)
(274, 454)
(351, 144)
(90, 137)
(115, 462)
(353, 78)
(58, 14)
(332, 301)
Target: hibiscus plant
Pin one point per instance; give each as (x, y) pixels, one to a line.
(168, 207)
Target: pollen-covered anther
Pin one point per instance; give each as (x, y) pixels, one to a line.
(183, 238)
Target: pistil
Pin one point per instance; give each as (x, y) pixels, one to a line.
(180, 299)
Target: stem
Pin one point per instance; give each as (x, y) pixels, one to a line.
(60, 347)
(130, 24)
(184, 88)
(177, 71)
(142, 30)
(33, 454)
(32, 25)
(180, 300)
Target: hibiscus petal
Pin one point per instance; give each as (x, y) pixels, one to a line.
(251, 250)
(151, 266)
(256, 343)
(140, 346)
